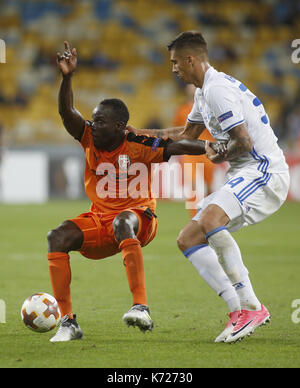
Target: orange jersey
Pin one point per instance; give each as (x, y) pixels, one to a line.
(182, 113)
(121, 179)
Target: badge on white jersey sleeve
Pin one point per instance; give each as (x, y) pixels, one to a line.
(225, 105)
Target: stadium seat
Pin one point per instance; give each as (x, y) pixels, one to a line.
(122, 52)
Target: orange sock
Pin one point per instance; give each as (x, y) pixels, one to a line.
(134, 265)
(60, 277)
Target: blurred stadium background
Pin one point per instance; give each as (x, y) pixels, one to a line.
(122, 53)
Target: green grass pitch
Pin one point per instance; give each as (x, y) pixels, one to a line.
(186, 312)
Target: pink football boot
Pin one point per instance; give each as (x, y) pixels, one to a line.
(247, 322)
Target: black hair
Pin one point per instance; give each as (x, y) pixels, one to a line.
(190, 39)
(119, 108)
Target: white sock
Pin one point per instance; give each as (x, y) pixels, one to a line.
(247, 296)
(230, 258)
(205, 261)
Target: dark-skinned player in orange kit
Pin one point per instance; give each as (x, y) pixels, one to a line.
(120, 221)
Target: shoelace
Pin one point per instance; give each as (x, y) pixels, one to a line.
(243, 317)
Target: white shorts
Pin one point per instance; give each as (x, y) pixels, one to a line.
(248, 197)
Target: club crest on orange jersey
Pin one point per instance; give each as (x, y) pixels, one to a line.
(124, 162)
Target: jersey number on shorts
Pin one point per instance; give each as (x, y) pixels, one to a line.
(234, 182)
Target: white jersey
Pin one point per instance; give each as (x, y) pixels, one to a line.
(223, 103)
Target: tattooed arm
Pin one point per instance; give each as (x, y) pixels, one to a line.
(193, 147)
(239, 144)
(189, 131)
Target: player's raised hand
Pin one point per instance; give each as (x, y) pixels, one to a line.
(67, 61)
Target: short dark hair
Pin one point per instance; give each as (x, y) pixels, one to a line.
(190, 39)
(119, 108)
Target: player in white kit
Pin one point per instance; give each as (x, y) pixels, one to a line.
(256, 184)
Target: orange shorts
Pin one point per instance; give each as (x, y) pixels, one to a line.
(99, 240)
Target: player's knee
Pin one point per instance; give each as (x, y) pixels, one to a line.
(125, 226)
(182, 242)
(56, 241)
(54, 236)
(64, 239)
(121, 226)
(191, 236)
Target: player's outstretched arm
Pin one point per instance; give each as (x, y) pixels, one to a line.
(193, 147)
(192, 130)
(72, 119)
(189, 131)
(240, 143)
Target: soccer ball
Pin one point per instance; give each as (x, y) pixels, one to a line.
(40, 312)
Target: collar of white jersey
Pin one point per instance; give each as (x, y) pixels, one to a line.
(207, 76)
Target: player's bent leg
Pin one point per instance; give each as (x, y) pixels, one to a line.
(125, 226)
(230, 258)
(65, 238)
(62, 240)
(194, 246)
